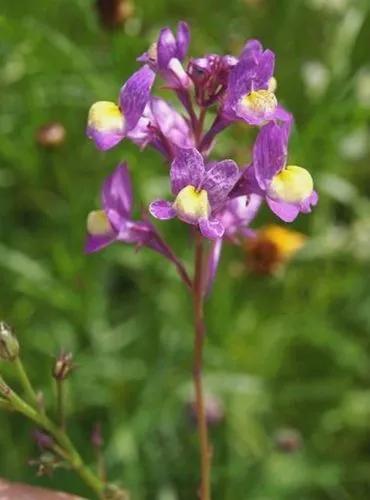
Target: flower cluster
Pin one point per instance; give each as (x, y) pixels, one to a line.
(215, 196)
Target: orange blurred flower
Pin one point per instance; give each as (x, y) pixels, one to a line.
(271, 247)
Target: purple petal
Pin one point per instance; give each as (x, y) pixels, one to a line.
(270, 152)
(307, 204)
(213, 262)
(186, 169)
(265, 71)
(166, 48)
(135, 95)
(211, 228)
(251, 47)
(219, 181)
(283, 115)
(252, 72)
(247, 184)
(239, 213)
(103, 139)
(96, 243)
(285, 211)
(183, 40)
(176, 76)
(172, 124)
(117, 192)
(162, 209)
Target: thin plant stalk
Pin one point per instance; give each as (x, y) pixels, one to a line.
(25, 382)
(198, 301)
(64, 444)
(60, 403)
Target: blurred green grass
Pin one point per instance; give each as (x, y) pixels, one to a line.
(285, 351)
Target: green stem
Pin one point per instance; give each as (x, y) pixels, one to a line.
(69, 451)
(60, 403)
(25, 381)
(198, 296)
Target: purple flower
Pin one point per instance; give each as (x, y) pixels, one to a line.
(248, 96)
(287, 189)
(162, 127)
(236, 217)
(167, 53)
(108, 123)
(114, 222)
(210, 76)
(201, 192)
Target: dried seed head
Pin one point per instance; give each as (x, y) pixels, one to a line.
(63, 366)
(9, 346)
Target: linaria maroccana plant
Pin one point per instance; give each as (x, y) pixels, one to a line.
(216, 198)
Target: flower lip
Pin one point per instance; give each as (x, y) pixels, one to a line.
(191, 204)
(106, 116)
(98, 223)
(292, 185)
(260, 103)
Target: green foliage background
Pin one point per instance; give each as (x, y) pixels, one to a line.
(284, 351)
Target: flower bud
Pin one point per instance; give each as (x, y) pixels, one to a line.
(96, 436)
(63, 366)
(51, 135)
(9, 346)
(44, 441)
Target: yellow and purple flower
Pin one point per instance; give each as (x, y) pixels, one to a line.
(249, 96)
(113, 222)
(200, 192)
(108, 123)
(287, 189)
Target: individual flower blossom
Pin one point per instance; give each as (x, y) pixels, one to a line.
(271, 247)
(249, 94)
(200, 190)
(114, 222)
(210, 76)
(165, 56)
(287, 189)
(109, 123)
(163, 128)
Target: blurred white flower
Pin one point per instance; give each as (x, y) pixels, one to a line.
(354, 146)
(329, 5)
(316, 78)
(362, 87)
